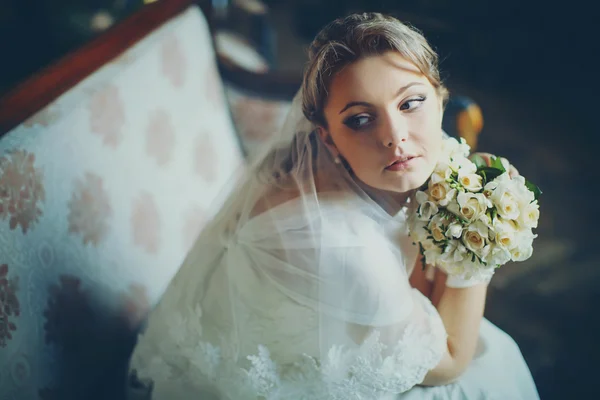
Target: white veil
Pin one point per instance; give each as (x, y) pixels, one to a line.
(302, 273)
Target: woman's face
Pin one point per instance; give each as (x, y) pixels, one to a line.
(384, 117)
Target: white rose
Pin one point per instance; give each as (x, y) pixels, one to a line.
(470, 181)
(506, 233)
(454, 230)
(521, 253)
(454, 148)
(507, 206)
(524, 195)
(497, 256)
(529, 215)
(504, 198)
(450, 145)
(471, 205)
(462, 164)
(524, 245)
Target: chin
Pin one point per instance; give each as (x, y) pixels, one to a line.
(410, 181)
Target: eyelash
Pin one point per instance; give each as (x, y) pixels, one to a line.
(352, 122)
(419, 99)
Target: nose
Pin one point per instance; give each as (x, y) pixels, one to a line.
(394, 131)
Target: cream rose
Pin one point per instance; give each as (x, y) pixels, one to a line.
(471, 182)
(437, 227)
(475, 237)
(471, 205)
(507, 206)
(438, 191)
(441, 193)
(505, 198)
(506, 233)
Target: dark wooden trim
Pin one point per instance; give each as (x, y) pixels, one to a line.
(272, 85)
(50, 83)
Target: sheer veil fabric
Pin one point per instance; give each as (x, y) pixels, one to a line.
(298, 289)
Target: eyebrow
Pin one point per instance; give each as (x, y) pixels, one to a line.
(365, 104)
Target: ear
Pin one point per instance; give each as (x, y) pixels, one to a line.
(326, 138)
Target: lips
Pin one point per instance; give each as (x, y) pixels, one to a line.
(399, 160)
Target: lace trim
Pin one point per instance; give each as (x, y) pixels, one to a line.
(357, 373)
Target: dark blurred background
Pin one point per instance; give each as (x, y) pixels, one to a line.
(530, 65)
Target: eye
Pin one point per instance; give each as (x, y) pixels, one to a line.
(359, 121)
(413, 104)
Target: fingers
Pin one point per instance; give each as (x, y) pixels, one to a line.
(512, 171)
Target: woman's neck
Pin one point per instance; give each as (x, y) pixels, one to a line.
(391, 202)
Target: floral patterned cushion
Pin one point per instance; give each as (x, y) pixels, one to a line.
(257, 119)
(102, 193)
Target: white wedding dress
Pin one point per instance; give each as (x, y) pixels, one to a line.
(307, 296)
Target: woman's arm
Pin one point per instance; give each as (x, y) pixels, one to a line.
(419, 281)
(430, 281)
(461, 311)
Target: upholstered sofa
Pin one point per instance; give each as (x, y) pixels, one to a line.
(111, 162)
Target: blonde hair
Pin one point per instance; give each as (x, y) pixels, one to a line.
(356, 36)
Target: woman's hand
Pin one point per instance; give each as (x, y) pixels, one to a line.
(487, 157)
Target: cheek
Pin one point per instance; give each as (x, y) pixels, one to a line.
(428, 135)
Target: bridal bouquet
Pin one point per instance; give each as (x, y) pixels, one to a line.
(472, 218)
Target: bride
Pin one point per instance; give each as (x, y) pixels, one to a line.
(306, 285)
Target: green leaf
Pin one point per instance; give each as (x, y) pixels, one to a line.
(490, 173)
(494, 213)
(422, 252)
(478, 161)
(533, 188)
(497, 163)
